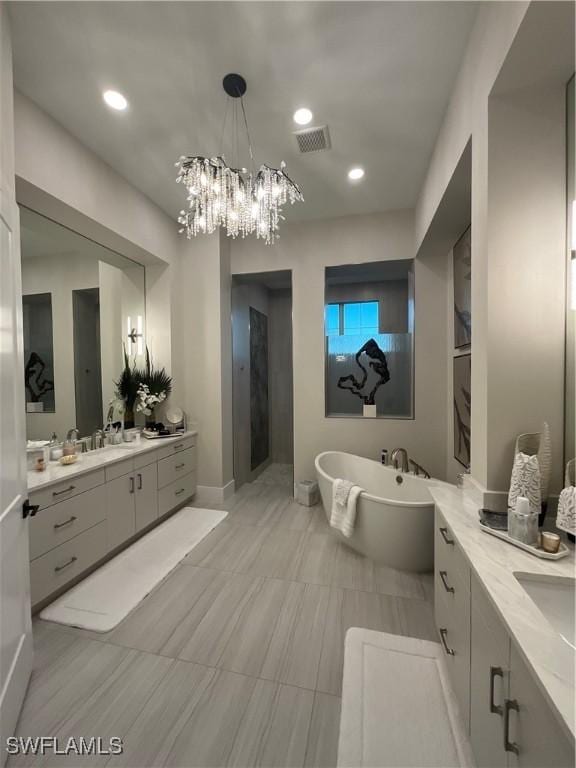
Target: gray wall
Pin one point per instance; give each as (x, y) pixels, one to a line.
(280, 379)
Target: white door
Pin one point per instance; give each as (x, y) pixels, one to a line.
(15, 621)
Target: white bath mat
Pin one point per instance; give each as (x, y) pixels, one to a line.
(391, 686)
(107, 596)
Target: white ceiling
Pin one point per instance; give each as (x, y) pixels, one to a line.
(378, 73)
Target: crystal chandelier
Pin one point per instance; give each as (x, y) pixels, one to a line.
(241, 201)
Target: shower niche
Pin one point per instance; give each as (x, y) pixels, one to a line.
(369, 340)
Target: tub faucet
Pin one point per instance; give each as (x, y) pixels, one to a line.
(394, 459)
(418, 470)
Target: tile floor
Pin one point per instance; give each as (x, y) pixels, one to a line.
(235, 659)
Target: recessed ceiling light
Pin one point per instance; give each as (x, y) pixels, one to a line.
(303, 116)
(115, 100)
(354, 174)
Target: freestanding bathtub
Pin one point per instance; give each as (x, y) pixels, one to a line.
(395, 512)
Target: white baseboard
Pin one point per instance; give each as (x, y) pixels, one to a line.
(214, 494)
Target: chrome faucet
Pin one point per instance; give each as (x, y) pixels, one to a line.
(72, 435)
(394, 459)
(97, 439)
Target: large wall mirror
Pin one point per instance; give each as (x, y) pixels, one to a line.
(570, 404)
(82, 306)
(369, 336)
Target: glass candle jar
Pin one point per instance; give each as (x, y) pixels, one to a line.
(523, 523)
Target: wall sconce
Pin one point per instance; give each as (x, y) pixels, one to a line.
(135, 335)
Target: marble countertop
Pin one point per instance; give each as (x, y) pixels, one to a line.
(93, 460)
(494, 562)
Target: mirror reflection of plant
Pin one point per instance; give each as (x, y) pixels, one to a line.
(156, 379)
(128, 383)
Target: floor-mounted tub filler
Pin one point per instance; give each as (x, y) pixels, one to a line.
(395, 512)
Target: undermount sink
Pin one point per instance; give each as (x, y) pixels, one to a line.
(554, 596)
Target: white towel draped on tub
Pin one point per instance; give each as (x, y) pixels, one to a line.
(344, 497)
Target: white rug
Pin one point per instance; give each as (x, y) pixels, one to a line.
(107, 596)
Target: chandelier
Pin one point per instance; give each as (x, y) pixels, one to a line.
(242, 201)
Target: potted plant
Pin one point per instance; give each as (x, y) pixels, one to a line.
(153, 388)
(127, 389)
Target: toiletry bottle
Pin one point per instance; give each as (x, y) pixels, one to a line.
(384, 457)
(69, 448)
(523, 522)
(54, 448)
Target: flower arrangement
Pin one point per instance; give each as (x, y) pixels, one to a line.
(147, 400)
(143, 389)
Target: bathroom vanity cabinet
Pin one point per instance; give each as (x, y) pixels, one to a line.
(83, 519)
(507, 716)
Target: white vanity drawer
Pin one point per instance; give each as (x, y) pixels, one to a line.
(449, 560)
(57, 567)
(176, 466)
(174, 494)
(66, 489)
(63, 521)
(175, 446)
(119, 469)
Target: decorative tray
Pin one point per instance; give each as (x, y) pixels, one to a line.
(537, 551)
(156, 435)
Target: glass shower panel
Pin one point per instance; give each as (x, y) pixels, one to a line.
(352, 377)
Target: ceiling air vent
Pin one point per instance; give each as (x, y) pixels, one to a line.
(313, 139)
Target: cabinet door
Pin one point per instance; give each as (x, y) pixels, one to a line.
(146, 495)
(537, 738)
(489, 680)
(453, 622)
(120, 515)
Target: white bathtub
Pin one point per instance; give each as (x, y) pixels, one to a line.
(395, 513)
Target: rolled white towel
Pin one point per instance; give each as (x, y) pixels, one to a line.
(566, 515)
(343, 514)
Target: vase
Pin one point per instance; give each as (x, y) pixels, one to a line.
(151, 420)
(128, 418)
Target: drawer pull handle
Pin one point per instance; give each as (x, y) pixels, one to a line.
(177, 493)
(178, 447)
(66, 490)
(131, 484)
(447, 539)
(139, 481)
(66, 522)
(65, 565)
(447, 586)
(495, 672)
(449, 651)
(180, 466)
(510, 746)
